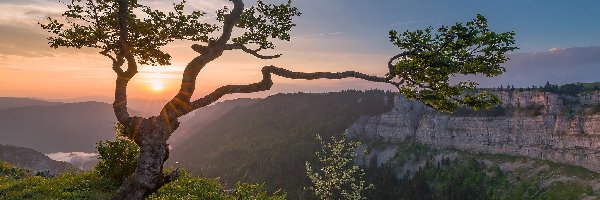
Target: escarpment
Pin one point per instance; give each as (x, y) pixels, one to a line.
(560, 128)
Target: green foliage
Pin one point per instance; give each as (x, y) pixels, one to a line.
(91, 185)
(189, 187)
(462, 49)
(245, 191)
(117, 159)
(286, 121)
(561, 190)
(570, 89)
(87, 185)
(473, 176)
(264, 21)
(9, 171)
(94, 23)
(336, 176)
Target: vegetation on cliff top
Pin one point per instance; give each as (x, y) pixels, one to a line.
(418, 172)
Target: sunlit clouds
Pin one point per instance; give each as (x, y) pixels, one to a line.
(333, 35)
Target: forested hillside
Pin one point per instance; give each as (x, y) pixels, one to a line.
(270, 140)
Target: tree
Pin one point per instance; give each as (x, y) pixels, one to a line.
(337, 177)
(115, 27)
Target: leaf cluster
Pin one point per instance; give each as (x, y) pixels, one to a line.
(94, 23)
(189, 187)
(337, 177)
(117, 159)
(432, 58)
(262, 22)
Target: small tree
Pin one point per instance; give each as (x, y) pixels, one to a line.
(336, 176)
(117, 159)
(129, 33)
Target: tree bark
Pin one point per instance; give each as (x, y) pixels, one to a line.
(151, 136)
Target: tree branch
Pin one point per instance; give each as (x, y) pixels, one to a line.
(267, 82)
(180, 104)
(123, 77)
(250, 51)
(230, 20)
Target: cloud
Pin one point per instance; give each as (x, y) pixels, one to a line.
(557, 65)
(82, 160)
(28, 12)
(321, 34)
(11, 68)
(22, 41)
(398, 24)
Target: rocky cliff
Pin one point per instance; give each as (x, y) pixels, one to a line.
(559, 128)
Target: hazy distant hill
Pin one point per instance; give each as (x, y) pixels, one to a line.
(33, 160)
(204, 116)
(66, 127)
(15, 102)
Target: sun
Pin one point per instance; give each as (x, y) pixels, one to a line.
(157, 85)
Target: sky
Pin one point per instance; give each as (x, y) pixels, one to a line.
(559, 42)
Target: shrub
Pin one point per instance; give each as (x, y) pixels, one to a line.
(117, 159)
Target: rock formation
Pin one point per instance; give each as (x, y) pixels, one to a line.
(559, 128)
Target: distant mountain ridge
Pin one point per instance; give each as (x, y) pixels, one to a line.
(33, 160)
(68, 127)
(16, 102)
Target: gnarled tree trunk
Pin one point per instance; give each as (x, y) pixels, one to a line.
(151, 136)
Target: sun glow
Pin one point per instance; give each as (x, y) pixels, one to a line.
(157, 85)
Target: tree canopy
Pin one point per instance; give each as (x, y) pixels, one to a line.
(433, 57)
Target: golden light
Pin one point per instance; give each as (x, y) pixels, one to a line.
(157, 85)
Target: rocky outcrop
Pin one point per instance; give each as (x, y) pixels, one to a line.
(559, 128)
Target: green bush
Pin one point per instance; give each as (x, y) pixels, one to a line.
(88, 185)
(188, 187)
(117, 159)
(191, 188)
(9, 171)
(335, 175)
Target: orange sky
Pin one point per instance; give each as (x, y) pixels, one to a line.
(329, 36)
(69, 73)
(36, 70)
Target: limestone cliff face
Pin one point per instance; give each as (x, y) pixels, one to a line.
(560, 128)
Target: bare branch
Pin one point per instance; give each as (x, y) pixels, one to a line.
(267, 82)
(250, 51)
